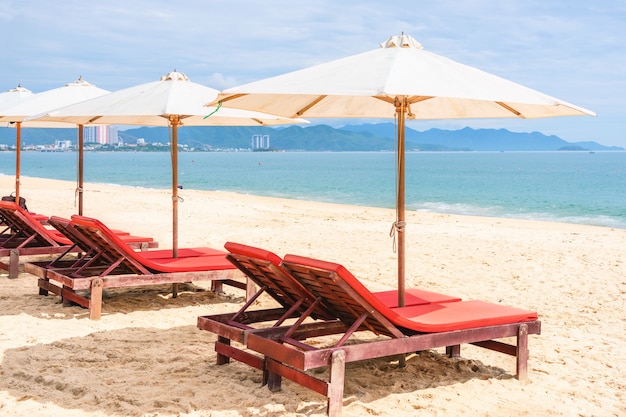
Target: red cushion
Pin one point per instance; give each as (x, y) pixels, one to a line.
(198, 259)
(434, 317)
(413, 297)
(252, 252)
(457, 316)
(182, 253)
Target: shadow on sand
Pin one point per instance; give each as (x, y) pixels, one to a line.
(142, 371)
(21, 295)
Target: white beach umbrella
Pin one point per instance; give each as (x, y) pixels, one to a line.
(17, 114)
(398, 80)
(13, 97)
(172, 101)
(8, 99)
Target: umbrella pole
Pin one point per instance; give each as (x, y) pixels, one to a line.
(174, 151)
(401, 107)
(81, 140)
(18, 144)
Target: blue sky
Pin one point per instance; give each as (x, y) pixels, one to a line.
(575, 51)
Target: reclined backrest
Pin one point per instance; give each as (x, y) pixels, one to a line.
(22, 223)
(345, 296)
(62, 225)
(99, 237)
(264, 268)
(160, 261)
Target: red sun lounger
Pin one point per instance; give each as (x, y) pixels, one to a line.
(292, 352)
(264, 269)
(108, 262)
(26, 234)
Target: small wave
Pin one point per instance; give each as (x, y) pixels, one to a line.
(457, 208)
(497, 211)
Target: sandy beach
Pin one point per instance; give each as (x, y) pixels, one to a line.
(145, 356)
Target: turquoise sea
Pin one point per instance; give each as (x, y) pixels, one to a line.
(572, 187)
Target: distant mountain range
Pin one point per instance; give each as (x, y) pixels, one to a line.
(363, 137)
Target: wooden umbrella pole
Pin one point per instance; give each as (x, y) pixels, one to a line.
(401, 108)
(174, 121)
(18, 144)
(81, 154)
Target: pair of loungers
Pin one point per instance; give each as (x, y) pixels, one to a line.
(106, 260)
(23, 233)
(323, 299)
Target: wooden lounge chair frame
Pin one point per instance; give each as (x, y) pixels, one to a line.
(264, 268)
(107, 262)
(284, 352)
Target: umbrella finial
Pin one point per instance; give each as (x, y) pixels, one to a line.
(402, 41)
(20, 89)
(175, 76)
(79, 83)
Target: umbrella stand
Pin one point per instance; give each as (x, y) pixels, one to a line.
(174, 121)
(18, 142)
(401, 108)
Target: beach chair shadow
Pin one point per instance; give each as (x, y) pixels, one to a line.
(131, 360)
(293, 351)
(107, 261)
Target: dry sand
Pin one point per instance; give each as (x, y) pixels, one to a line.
(145, 357)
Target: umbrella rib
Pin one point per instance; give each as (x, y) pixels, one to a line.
(301, 112)
(511, 109)
(234, 96)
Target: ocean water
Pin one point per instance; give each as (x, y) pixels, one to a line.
(572, 187)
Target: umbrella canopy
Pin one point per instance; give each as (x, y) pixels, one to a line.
(70, 93)
(16, 115)
(8, 99)
(13, 97)
(398, 80)
(172, 101)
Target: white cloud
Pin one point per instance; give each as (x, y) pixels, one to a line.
(574, 51)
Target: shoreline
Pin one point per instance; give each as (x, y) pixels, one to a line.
(145, 357)
(93, 186)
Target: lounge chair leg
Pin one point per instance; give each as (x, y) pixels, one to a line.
(66, 301)
(402, 361)
(14, 263)
(222, 359)
(335, 383)
(250, 289)
(95, 299)
(43, 291)
(217, 286)
(175, 290)
(522, 353)
(273, 381)
(453, 351)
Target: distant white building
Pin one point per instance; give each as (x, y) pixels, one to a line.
(260, 142)
(62, 144)
(101, 134)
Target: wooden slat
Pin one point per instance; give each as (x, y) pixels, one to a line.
(239, 355)
(296, 376)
